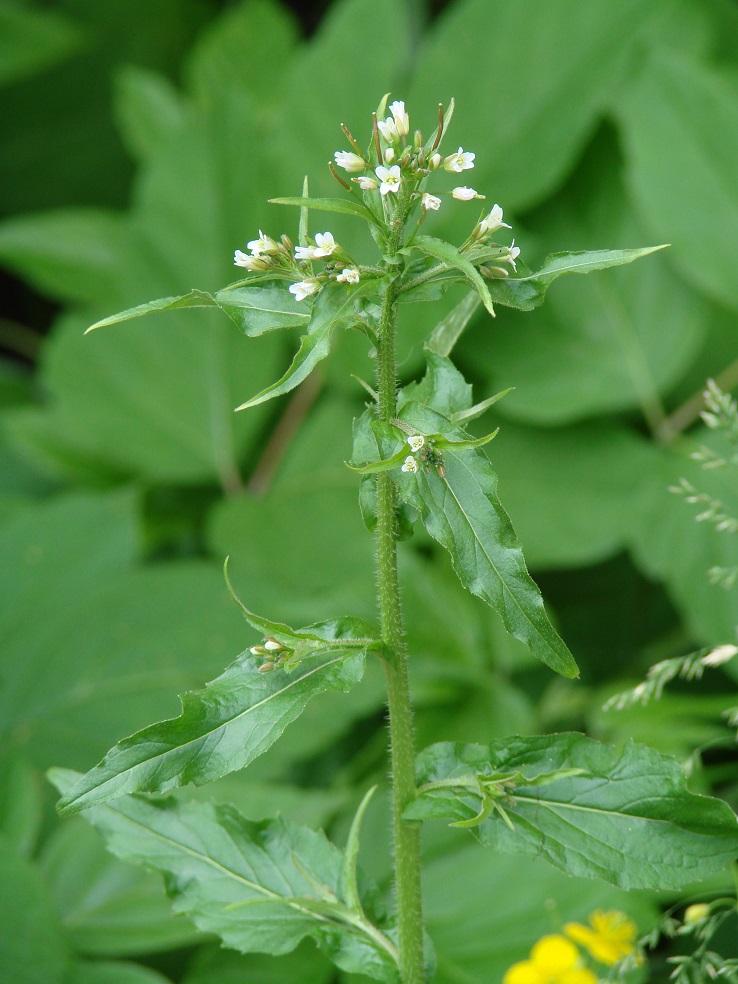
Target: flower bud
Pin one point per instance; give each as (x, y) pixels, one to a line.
(435, 162)
(257, 651)
(266, 667)
(287, 243)
(389, 155)
(417, 140)
(696, 913)
(366, 183)
(272, 646)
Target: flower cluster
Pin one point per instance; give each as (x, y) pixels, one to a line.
(274, 653)
(423, 452)
(555, 959)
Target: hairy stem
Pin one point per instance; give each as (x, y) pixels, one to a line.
(402, 744)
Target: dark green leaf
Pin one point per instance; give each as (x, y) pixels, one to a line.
(333, 308)
(260, 886)
(461, 510)
(442, 387)
(222, 728)
(452, 258)
(33, 40)
(623, 816)
(259, 309)
(528, 292)
(346, 206)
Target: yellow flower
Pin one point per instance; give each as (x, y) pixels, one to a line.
(553, 960)
(609, 937)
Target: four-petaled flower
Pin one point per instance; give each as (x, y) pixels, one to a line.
(325, 244)
(430, 201)
(553, 960)
(416, 442)
(460, 161)
(242, 259)
(410, 464)
(349, 161)
(492, 222)
(402, 120)
(303, 289)
(264, 244)
(349, 275)
(388, 129)
(465, 194)
(389, 177)
(513, 252)
(609, 937)
(367, 183)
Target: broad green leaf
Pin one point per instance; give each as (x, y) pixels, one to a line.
(259, 886)
(451, 257)
(148, 109)
(107, 908)
(34, 40)
(262, 308)
(686, 189)
(461, 510)
(113, 972)
(526, 142)
(20, 803)
(195, 298)
(528, 292)
(333, 308)
(624, 816)
(344, 206)
(442, 387)
(222, 728)
(33, 949)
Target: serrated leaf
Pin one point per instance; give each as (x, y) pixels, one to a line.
(333, 308)
(224, 727)
(260, 886)
(262, 307)
(627, 817)
(528, 292)
(461, 510)
(449, 255)
(344, 206)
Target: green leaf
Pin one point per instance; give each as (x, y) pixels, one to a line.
(442, 387)
(462, 512)
(224, 727)
(344, 206)
(113, 972)
(448, 331)
(452, 258)
(462, 416)
(258, 309)
(34, 40)
(260, 886)
(623, 816)
(528, 292)
(333, 308)
(305, 965)
(194, 298)
(20, 803)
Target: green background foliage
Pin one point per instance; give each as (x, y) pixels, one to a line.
(141, 142)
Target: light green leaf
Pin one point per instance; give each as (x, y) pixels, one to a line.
(222, 728)
(452, 258)
(344, 206)
(113, 972)
(148, 109)
(463, 416)
(260, 308)
(627, 817)
(461, 510)
(194, 298)
(442, 387)
(448, 331)
(528, 292)
(20, 803)
(305, 965)
(259, 886)
(333, 308)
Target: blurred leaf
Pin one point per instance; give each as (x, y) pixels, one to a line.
(32, 946)
(108, 908)
(626, 817)
(20, 803)
(113, 973)
(221, 729)
(34, 40)
(214, 965)
(686, 189)
(148, 109)
(527, 111)
(100, 651)
(259, 886)
(344, 206)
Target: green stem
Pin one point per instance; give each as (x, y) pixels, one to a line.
(402, 745)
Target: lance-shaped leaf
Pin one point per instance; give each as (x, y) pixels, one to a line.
(528, 292)
(259, 886)
(451, 257)
(193, 299)
(260, 308)
(624, 816)
(333, 308)
(344, 206)
(448, 331)
(459, 507)
(236, 717)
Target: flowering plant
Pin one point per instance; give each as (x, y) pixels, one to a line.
(621, 815)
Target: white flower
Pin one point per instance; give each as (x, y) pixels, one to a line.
(264, 244)
(388, 129)
(389, 155)
(435, 162)
(325, 244)
(402, 120)
(249, 262)
(460, 161)
(465, 194)
(349, 275)
(390, 178)
(366, 183)
(410, 465)
(416, 442)
(303, 289)
(349, 161)
(720, 655)
(492, 222)
(513, 252)
(430, 201)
